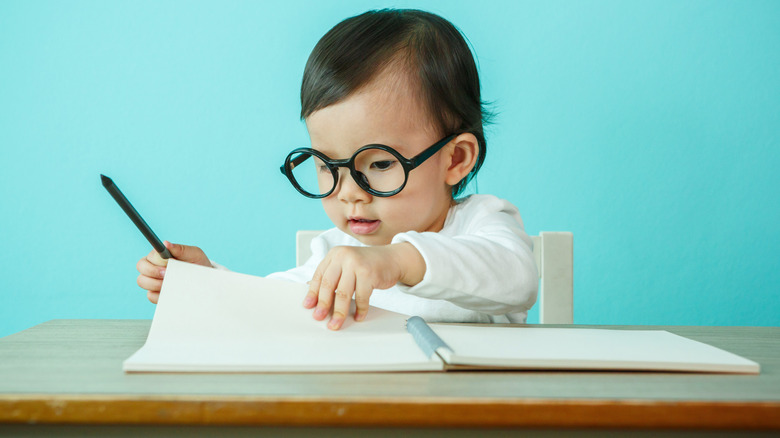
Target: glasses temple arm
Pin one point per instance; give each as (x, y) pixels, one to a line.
(428, 153)
(294, 163)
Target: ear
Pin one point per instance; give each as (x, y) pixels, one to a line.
(462, 153)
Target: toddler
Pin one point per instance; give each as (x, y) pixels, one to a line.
(391, 101)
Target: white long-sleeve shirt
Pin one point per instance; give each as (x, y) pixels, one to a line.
(479, 267)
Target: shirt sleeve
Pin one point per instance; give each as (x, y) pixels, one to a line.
(482, 260)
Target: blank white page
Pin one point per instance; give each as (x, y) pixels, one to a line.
(577, 348)
(211, 320)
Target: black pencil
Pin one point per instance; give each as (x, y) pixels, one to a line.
(135, 217)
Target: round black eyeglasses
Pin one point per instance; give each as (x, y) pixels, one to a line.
(378, 169)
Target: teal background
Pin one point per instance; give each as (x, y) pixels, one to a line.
(650, 129)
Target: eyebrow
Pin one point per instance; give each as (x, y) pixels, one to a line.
(394, 145)
(330, 154)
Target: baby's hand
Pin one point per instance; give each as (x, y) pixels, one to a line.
(152, 267)
(347, 270)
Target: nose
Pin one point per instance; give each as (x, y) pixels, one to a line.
(347, 189)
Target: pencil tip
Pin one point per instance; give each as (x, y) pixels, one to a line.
(106, 180)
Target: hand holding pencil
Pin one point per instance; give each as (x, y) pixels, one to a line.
(152, 266)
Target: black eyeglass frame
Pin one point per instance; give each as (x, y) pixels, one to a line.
(407, 164)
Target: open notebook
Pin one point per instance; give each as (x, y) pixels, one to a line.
(209, 320)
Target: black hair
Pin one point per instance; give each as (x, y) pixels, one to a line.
(357, 49)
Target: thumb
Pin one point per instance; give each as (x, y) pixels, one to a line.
(186, 253)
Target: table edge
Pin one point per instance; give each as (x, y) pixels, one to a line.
(131, 409)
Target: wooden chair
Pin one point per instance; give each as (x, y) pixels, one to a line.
(554, 258)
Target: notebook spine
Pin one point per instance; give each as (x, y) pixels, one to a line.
(426, 339)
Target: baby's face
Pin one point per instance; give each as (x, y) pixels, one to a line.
(389, 116)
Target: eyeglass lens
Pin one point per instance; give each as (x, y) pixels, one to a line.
(378, 169)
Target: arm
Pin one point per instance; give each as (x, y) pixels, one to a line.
(481, 261)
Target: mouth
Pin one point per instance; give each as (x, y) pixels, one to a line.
(363, 226)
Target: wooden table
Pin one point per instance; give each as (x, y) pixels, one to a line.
(68, 373)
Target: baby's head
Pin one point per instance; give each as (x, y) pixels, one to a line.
(405, 80)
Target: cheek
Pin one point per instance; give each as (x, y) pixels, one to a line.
(330, 205)
(411, 208)
(426, 187)
(431, 175)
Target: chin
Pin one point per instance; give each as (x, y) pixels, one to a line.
(372, 240)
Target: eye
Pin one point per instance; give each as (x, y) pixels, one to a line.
(321, 166)
(383, 165)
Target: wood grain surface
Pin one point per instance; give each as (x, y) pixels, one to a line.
(69, 372)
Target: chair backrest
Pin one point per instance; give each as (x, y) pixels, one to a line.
(554, 253)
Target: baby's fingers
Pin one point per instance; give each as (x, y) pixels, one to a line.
(145, 267)
(150, 284)
(328, 283)
(153, 296)
(363, 292)
(314, 286)
(151, 276)
(154, 258)
(343, 298)
(310, 300)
